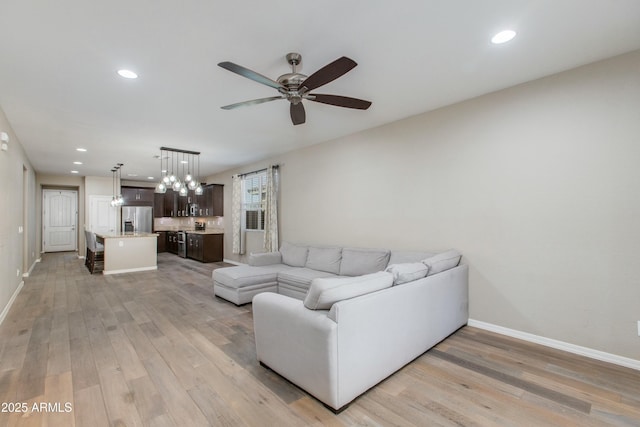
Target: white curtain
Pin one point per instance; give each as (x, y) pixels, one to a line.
(236, 215)
(271, 211)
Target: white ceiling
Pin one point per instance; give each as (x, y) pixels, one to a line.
(59, 87)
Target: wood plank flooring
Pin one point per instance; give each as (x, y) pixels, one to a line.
(158, 349)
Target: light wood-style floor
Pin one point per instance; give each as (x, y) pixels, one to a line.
(158, 349)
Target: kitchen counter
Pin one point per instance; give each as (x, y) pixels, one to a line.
(129, 252)
(204, 231)
(125, 235)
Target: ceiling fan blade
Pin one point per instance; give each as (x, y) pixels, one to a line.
(340, 101)
(251, 102)
(245, 72)
(298, 116)
(329, 73)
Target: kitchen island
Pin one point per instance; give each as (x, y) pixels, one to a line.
(129, 252)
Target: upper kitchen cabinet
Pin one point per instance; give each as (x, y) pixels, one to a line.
(211, 202)
(170, 203)
(138, 196)
(158, 205)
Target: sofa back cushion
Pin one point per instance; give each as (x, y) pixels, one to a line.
(407, 272)
(324, 259)
(293, 255)
(324, 292)
(443, 261)
(357, 261)
(401, 257)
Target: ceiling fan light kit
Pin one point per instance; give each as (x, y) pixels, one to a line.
(295, 87)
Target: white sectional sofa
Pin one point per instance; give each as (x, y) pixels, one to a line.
(338, 333)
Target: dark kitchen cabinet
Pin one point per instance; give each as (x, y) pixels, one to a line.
(205, 247)
(211, 202)
(172, 242)
(170, 207)
(158, 205)
(162, 241)
(183, 204)
(138, 196)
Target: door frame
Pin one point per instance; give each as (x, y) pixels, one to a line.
(42, 221)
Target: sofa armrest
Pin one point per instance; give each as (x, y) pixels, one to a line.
(265, 258)
(297, 343)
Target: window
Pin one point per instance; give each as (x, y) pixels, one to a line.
(253, 202)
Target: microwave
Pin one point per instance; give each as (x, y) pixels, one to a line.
(193, 209)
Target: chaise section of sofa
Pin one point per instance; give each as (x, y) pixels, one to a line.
(291, 270)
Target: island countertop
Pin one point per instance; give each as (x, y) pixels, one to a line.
(125, 235)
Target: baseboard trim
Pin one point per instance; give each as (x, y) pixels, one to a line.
(6, 309)
(232, 262)
(130, 270)
(559, 345)
(28, 273)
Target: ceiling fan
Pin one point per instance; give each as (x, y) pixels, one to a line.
(294, 87)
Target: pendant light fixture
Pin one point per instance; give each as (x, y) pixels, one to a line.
(117, 199)
(188, 178)
(198, 189)
(120, 198)
(161, 187)
(114, 202)
(176, 182)
(183, 164)
(183, 187)
(193, 182)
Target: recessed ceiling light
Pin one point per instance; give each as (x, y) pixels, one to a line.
(163, 171)
(127, 74)
(503, 37)
(184, 162)
(132, 174)
(74, 172)
(77, 163)
(81, 149)
(149, 177)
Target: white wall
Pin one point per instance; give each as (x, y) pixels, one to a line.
(538, 185)
(17, 209)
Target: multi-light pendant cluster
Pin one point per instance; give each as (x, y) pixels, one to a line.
(185, 163)
(117, 199)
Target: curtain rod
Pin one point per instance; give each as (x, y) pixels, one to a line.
(241, 175)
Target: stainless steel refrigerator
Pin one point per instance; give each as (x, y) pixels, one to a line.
(138, 219)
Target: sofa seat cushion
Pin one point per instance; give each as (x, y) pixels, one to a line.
(245, 275)
(301, 277)
(324, 292)
(324, 259)
(357, 261)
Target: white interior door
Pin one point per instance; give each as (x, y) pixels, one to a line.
(59, 220)
(102, 216)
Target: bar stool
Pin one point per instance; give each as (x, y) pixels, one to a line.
(94, 259)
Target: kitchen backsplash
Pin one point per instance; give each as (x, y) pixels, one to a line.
(187, 223)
